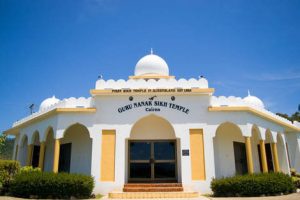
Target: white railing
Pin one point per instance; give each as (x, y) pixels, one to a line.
(238, 101)
(151, 83)
(72, 102)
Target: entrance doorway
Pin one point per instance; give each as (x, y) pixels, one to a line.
(152, 161)
(240, 158)
(269, 157)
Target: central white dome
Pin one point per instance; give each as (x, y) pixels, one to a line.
(254, 101)
(151, 65)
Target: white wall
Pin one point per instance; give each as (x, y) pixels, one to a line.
(255, 153)
(23, 148)
(86, 153)
(152, 127)
(49, 152)
(224, 152)
(293, 140)
(81, 149)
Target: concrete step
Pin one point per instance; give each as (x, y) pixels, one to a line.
(152, 195)
(132, 185)
(152, 189)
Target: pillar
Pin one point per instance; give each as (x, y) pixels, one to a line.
(42, 156)
(29, 155)
(56, 155)
(263, 156)
(275, 156)
(249, 155)
(16, 152)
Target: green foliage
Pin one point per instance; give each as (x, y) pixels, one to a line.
(2, 141)
(29, 169)
(51, 185)
(293, 117)
(296, 181)
(8, 168)
(253, 185)
(6, 147)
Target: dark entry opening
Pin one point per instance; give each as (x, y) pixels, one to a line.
(259, 157)
(240, 158)
(35, 156)
(152, 161)
(65, 157)
(269, 157)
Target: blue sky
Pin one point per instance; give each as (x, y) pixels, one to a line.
(53, 47)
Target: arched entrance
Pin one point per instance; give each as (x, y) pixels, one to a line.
(255, 141)
(22, 157)
(282, 154)
(36, 150)
(49, 143)
(152, 151)
(230, 151)
(75, 150)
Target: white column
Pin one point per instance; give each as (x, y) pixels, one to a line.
(182, 132)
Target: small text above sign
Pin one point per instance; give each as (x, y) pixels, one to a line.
(178, 90)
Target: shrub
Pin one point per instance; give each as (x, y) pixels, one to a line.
(253, 185)
(51, 185)
(8, 168)
(29, 169)
(296, 181)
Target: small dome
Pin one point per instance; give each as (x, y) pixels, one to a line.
(253, 101)
(48, 102)
(151, 65)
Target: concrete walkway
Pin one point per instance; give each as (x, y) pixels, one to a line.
(295, 196)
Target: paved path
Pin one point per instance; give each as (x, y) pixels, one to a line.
(295, 196)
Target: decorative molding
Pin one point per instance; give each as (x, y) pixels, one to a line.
(14, 130)
(263, 114)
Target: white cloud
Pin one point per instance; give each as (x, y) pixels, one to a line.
(288, 75)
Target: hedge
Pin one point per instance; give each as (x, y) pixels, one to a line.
(35, 184)
(8, 168)
(296, 181)
(264, 184)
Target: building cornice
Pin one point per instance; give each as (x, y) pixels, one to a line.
(289, 127)
(161, 91)
(152, 76)
(14, 130)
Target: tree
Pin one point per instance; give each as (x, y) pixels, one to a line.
(293, 117)
(6, 147)
(296, 116)
(2, 142)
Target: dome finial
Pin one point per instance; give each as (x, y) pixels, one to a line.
(249, 93)
(151, 64)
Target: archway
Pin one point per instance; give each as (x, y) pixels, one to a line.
(22, 156)
(269, 153)
(282, 154)
(255, 138)
(152, 127)
(36, 149)
(76, 150)
(229, 150)
(152, 151)
(49, 149)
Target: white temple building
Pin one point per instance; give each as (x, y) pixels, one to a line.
(155, 128)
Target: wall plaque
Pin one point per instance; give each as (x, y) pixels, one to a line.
(185, 152)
